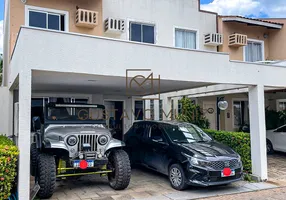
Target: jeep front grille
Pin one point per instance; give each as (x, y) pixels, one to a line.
(89, 139)
(220, 165)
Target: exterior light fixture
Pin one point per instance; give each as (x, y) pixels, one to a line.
(222, 105)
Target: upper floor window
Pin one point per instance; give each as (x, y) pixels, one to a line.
(281, 104)
(142, 32)
(185, 39)
(46, 18)
(254, 51)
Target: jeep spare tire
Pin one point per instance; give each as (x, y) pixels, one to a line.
(46, 175)
(119, 163)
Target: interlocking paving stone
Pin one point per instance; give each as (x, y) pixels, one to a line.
(149, 185)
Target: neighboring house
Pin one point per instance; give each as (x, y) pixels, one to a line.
(246, 40)
(79, 51)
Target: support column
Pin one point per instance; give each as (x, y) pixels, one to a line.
(258, 132)
(25, 85)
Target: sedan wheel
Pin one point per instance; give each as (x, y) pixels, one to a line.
(177, 177)
(269, 147)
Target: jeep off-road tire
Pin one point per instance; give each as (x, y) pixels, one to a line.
(34, 158)
(119, 162)
(46, 175)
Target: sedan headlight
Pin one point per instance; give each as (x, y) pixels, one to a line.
(72, 140)
(196, 161)
(102, 140)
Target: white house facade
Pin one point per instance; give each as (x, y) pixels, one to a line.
(164, 36)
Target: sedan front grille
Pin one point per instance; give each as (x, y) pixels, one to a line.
(87, 139)
(220, 165)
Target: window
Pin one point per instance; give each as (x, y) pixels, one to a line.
(156, 134)
(172, 110)
(139, 130)
(241, 113)
(281, 105)
(160, 110)
(281, 129)
(46, 18)
(185, 39)
(180, 107)
(152, 109)
(142, 33)
(139, 110)
(254, 51)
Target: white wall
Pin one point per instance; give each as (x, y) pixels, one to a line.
(5, 116)
(166, 15)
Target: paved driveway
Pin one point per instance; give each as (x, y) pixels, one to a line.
(145, 184)
(277, 168)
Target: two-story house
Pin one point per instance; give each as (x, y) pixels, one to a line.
(83, 51)
(246, 40)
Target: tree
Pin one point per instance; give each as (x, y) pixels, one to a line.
(192, 113)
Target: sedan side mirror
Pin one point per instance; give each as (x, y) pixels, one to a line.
(36, 123)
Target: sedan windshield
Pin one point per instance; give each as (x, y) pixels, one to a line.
(187, 133)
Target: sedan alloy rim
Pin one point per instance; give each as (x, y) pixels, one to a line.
(176, 177)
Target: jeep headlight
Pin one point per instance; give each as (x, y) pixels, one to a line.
(72, 140)
(102, 140)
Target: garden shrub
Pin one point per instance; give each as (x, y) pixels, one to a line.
(8, 166)
(238, 141)
(192, 113)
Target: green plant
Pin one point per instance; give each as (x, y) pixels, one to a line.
(8, 166)
(274, 119)
(192, 113)
(238, 141)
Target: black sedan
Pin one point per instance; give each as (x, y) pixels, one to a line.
(183, 152)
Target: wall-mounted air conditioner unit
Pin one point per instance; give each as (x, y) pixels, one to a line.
(237, 40)
(86, 18)
(213, 39)
(114, 26)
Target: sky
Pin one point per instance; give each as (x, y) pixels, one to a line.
(247, 8)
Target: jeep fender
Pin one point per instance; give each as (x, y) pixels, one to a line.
(114, 143)
(55, 147)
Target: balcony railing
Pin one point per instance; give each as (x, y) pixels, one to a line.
(86, 18)
(237, 40)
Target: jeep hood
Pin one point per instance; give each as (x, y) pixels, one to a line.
(54, 132)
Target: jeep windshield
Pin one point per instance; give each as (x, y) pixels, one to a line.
(75, 112)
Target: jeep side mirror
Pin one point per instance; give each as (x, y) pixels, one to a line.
(36, 123)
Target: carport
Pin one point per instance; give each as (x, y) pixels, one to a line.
(49, 62)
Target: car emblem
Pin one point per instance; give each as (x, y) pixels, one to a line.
(226, 163)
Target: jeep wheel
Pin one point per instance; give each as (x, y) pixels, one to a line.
(120, 164)
(46, 175)
(34, 158)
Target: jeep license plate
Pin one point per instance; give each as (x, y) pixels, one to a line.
(76, 163)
